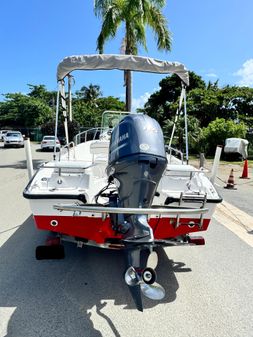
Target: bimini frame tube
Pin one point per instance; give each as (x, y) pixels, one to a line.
(176, 118)
(56, 117)
(64, 108)
(181, 101)
(70, 77)
(186, 125)
(61, 97)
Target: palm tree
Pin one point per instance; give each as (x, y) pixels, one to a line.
(136, 15)
(89, 94)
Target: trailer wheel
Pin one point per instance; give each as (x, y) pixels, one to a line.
(54, 252)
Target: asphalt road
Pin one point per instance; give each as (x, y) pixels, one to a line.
(208, 288)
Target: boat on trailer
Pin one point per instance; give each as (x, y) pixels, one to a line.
(119, 186)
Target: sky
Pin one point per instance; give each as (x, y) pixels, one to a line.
(213, 38)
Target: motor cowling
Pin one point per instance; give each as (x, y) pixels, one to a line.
(137, 161)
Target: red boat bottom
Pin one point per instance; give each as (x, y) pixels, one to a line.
(100, 231)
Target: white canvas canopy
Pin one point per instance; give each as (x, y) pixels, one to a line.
(237, 145)
(111, 62)
(120, 62)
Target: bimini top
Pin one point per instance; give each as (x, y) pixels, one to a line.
(120, 62)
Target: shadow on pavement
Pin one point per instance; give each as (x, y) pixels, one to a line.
(22, 164)
(54, 297)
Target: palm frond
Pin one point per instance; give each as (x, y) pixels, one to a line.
(110, 25)
(158, 3)
(156, 20)
(136, 14)
(101, 7)
(140, 33)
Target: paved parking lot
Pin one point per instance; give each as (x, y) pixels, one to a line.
(208, 289)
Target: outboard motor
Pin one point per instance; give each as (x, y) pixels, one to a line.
(137, 161)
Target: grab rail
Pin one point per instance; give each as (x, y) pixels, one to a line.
(122, 210)
(68, 146)
(170, 149)
(95, 131)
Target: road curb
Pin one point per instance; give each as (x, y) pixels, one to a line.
(237, 221)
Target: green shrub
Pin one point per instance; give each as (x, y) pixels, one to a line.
(217, 131)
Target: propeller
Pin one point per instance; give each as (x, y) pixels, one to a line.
(149, 287)
(144, 280)
(152, 260)
(153, 291)
(132, 279)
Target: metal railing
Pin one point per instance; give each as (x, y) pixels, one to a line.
(83, 136)
(170, 150)
(121, 210)
(68, 146)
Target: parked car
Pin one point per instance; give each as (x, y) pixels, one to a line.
(62, 140)
(13, 139)
(48, 142)
(2, 134)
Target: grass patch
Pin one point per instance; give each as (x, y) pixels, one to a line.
(222, 162)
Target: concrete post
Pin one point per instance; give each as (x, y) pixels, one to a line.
(28, 154)
(202, 160)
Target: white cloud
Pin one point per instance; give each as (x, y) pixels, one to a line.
(212, 75)
(139, 102)
(246, 74)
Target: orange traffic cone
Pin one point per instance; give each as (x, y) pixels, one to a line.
(245, 170)
(231, 182)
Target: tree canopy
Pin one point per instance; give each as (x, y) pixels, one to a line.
(38, 107)
(162, 104)
(40, 92)
(217, 131)
(88, 115)
(22, 110)
(89, 94)
(204, 101)
(215, 113)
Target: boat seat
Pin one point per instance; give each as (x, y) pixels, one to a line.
(65, 164)
(99, 147)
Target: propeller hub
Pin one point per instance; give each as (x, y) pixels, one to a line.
(149, 275)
